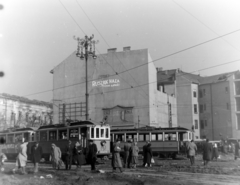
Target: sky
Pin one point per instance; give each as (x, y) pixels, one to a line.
(35, 36)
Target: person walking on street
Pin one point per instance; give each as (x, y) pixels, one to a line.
(92, 154)
(127, 155)
(145, 153)
(116, 160)
(236, 150)
(55, 157)
(22, 158)
(192, 149)
(134, 152)
(36, 152)
(69, 154)
(78, 155)
(215, 151)
(207, 152)
(149, 155)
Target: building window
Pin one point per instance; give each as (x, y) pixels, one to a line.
(202, 124)
(205, 123)
(238, 121)
(201, 108)
(195, 109)
(200, 93)
(204, 92)
(196, 124)
(228, 106)
(195, 94)
(226, 89)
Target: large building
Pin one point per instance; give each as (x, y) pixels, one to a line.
(22, 112)
(122, 89)
(209, 105)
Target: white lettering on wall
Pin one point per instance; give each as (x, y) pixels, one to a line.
(106, 83)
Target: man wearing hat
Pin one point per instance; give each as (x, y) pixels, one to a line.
(36, 151)
(92, 154)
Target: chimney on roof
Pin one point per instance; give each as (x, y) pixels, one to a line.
(128, 48)
(110, 50)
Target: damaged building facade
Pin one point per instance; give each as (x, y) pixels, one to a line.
(122, 89)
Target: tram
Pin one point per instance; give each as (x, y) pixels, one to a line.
(59, 134)
(12, 138)
(165, 142)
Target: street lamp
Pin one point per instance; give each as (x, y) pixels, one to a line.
(87, 44)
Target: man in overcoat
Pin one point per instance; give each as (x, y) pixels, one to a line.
(69, 154)
(92, 154)
(145, 153)
(116, 159)
(192, 148)
(207, 152)
(127, 154)
(36, 151)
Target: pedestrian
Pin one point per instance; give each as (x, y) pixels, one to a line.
(116, 160)
(78, 155)
(134, 154)
(92, 154)
(69, 154)
(55, 157)
(225, 147)
(3, 158)
(36, 152)
(236, 150)
(192, 149)
(145, 153)
(149, 155)
(207, 150)
(215, 151)
(21, 161)
(127, 155)
(233, 149)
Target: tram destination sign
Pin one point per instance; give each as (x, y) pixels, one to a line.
(106, 83)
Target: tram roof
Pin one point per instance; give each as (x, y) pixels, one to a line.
(18, 130)
(149, 128)
(77, 123)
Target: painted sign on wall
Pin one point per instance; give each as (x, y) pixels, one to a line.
(106, 83)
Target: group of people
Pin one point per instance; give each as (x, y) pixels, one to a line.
(131, 151)
(73, 153)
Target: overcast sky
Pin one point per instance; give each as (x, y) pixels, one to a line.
(36, 35)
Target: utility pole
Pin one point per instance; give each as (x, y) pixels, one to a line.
(86, 43)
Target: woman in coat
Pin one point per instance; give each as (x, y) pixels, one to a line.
(215, 151)
(207, 152)
(149, 155)
(134, 154)
(116, 160)
(22, 158)
(55, 157)
(36, 152)
(78, 155)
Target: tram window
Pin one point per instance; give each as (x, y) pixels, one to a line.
(18, 137)
(2, 139)
(119, 137)
(92, 132)
(10, 138)
(141, 137)
(43, 136)
(170, 136)
(26, 136)
(32, 137)
(102, 132)
(62, 134)
(154, 137)
(107, 133)
(53, 135)
(160, 137)
(73, 133)
(97, 132)
(147, 137)
(37, 136)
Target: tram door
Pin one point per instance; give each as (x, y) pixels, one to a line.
(84, 134)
